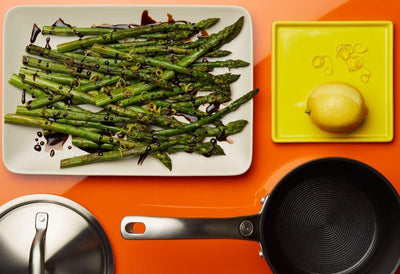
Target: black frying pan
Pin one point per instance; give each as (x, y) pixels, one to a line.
(330, 215)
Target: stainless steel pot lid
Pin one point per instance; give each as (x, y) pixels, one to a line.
(50, 234)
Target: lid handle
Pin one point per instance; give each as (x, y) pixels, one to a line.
(36, 256)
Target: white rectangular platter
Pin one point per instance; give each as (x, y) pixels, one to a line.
(18, 142)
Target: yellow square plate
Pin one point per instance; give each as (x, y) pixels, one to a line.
(306, 54)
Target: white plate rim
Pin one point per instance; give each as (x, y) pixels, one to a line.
(136, 171)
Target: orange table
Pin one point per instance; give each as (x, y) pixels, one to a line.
(112, 198)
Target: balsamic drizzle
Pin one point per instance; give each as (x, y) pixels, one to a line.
(35, 32)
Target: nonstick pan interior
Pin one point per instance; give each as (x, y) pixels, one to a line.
(332, 215)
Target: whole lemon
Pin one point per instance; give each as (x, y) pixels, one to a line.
(336, 107)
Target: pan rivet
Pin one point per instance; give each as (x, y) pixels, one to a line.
(264, 199)
(246, 228)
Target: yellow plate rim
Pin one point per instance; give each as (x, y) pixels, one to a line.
(381, 138)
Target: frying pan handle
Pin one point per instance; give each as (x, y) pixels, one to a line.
(245, 228)
(36, 256)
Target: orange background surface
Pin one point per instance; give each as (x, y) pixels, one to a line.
(111, 198)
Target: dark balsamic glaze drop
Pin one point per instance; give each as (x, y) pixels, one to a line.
(37, 147)
(47, 46)
(170, 18)
(52, 153)
(35, 32)
(56, 140)
(141, 159)
(23, 98)
(222, 139)
(146, 19)
(203, 34)
(60, 23)
(212, 108)
(188, 117)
